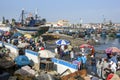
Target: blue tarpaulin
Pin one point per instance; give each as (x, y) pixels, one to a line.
(22, 60)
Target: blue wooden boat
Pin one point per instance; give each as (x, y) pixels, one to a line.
(103, 34)
(34, 25)
(118, 34)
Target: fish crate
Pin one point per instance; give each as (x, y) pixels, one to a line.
(46, 65)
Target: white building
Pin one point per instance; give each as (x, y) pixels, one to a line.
(59, 23)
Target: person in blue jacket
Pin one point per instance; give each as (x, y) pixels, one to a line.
(22, 60)
(84, 59)
(79, 59)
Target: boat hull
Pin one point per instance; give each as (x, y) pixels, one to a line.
(32, 30)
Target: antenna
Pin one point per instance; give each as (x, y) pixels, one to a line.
(104, 20)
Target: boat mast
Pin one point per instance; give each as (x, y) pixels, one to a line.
(36, 12)
(22, 19)
(81, 22)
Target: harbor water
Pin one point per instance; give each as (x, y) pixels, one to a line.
(105, 43)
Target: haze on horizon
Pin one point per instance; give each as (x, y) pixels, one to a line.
(90, 11)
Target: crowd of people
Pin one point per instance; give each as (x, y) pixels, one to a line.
(102, 67)
(33, 43)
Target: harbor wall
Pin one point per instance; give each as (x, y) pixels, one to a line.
(32, 55)
(61, 66)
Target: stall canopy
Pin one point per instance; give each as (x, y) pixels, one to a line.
(46, 54)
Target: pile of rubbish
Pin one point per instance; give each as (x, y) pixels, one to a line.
(25, 73)
(77, 75)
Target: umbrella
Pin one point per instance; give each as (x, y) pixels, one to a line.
(112, 50)
(86, 46)
(27, 36)
(22, 45)
(62, 42)
(46, 54)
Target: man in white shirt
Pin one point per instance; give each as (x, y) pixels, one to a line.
(113, 66)
(62, 47)
(83, 50)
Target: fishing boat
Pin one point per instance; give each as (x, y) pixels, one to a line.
(31, 25)
(118, 34)
(32, 30)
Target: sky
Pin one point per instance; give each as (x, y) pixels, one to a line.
(89, 11)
